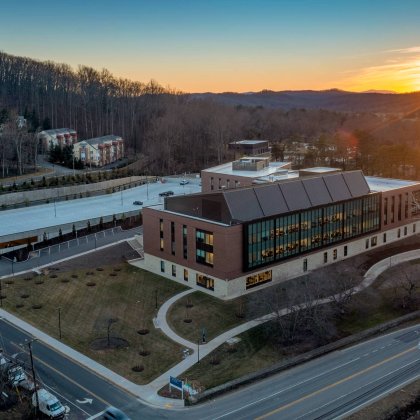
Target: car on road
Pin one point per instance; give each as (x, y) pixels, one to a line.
(184, 182)
(166, 193)
(138, 203)
(112, 413)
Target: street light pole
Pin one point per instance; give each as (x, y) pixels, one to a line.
(198, 350)
(156, 299)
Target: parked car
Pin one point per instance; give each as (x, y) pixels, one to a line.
(112, 413)
(49, 405)
(166, 193)
(184, 182)
(138, 203)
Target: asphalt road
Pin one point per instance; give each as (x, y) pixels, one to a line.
(67, 249)
(326, 388)
(85, 393)
(330, 387)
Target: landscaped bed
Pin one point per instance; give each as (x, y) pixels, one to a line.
(119, 299)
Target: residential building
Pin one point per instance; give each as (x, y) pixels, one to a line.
(56, 137)
(99, 151)
(233, 241)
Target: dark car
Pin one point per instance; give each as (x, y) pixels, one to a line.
(112, 413)
(138, 203)
(166, 193)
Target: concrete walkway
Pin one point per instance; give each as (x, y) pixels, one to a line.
(148, 393)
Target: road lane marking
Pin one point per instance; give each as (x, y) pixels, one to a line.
(348, 378)
(363, 386)
(378, 397)
(287, 389)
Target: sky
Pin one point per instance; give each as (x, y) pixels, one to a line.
(226, 45)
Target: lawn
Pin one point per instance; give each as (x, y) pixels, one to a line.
(205, 312)
(89, 300)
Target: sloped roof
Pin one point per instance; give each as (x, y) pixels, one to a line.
(299, 194)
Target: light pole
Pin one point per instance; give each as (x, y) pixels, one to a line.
(122, 201)
(1, 295)
(55, 209)
(156, 298)
(198, 350)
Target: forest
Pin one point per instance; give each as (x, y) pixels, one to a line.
(173, 132)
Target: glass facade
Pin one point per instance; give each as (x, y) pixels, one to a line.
(277, 238)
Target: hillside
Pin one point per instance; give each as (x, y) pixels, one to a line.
(333, 100)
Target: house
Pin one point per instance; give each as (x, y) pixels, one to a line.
(56, 137)
(99, 151)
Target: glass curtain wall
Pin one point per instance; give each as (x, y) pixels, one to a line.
(276, 238)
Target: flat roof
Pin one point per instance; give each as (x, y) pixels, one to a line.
(226, 168)
(63, 212)
(379, 184)
(320, 169)
(249, 142)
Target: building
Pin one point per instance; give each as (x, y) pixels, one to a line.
(242, 148)
(99, 151)
(234, 241)
(244, 173)
(56, 137)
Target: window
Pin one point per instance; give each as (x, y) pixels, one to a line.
(335, 254)
(185, 274)
(204, 281)
(258, 279)
(414, 228)
(384, 238)
(405, 230)
(345, 251)
(305, 264)
(374, 241)
(173, 270)
(173, 238)
(325, 257)
(185, 241)
(392, 209)
(204, 247)
(367, 243)
(161, 234)
(385, 211)
(162, 266)
(399, 233)
(399, 206)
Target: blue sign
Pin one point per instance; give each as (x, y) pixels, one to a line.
(175, 382)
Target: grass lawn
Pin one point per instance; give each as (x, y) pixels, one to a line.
(233, 361)
(214, 315)
(122, 293)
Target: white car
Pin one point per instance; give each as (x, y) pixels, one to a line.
(184, 182)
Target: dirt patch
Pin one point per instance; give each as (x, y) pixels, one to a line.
(105, 257)
(114, 343)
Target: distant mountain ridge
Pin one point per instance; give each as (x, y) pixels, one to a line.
(332, 100)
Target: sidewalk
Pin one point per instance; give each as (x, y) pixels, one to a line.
(148, 393)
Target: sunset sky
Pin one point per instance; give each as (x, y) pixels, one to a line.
(226, 45)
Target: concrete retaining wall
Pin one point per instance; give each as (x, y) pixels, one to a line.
(59, 193)
(306, 357)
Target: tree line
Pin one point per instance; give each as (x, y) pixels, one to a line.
(171, 131)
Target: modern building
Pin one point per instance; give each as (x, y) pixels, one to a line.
(56, 137)
(99, 151)
(242, 148)
(244, 172)
(233, 241)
